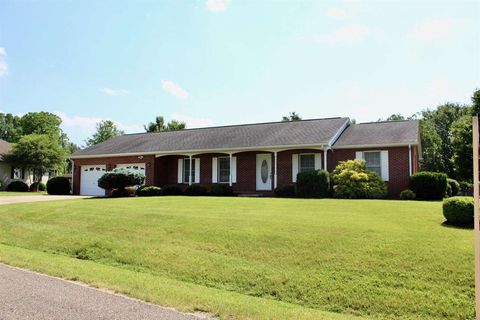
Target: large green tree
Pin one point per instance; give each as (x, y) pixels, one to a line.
(159, 125)
(10, 127)
(106, 129)
(38, 153)
(41, 123)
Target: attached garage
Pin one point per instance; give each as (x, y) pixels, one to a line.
(89, 180)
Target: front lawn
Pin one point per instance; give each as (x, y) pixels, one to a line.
(28, 193)
(254, 258)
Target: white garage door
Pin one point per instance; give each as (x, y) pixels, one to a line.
(135, 167)
(89, 180)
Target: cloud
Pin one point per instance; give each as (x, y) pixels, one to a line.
(217, 5)
(193, 122)
(345, 35)
(432, 30)
(336, 13)
(3, 62)
(174, 89)
(114, 92)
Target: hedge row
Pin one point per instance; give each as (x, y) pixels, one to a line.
(192, 190)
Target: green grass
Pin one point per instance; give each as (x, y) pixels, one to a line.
(28, 193)
(247, 258)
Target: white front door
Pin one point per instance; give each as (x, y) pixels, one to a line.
(264, 171)
(89, 180)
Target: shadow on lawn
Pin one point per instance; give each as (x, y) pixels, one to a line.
(446, 224)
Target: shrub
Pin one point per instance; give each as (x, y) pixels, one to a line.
(196, 189)
(407, 195)
(119, 180)
(172, 190)
(313, 184)
(287, 191)
(58, 186)
(17, 186)
(429, 185)
(221, 190)
(41, 186)
(466, 188)
(150, 191)
(453, 187)
(458, 211)
(352, 180)
(2, 185)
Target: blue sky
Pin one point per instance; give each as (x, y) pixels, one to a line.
(220, 62)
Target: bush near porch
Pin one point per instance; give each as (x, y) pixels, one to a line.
(254, 258)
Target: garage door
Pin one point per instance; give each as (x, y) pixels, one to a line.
(135, 167)
(89, 180)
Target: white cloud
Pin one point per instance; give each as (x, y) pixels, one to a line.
(347, 34)
(113, 92)
(217, 5)
(3, 62)
(174, 89)
(336, 13)
(431, 30)
(193, 122)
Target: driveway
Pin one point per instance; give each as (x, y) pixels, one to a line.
(36, 198)
(28, 295)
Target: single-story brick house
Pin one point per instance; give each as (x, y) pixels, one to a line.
(254, 158)
(9, 172)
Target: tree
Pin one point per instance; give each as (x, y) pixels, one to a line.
(442, 119)
(36, 152)
(292, 116)
(106, 129)
(41, 123)
(431, 148)
(159, 125)
(395, 117)
(10, 127)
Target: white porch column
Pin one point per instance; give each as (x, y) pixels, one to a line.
(190, 171)
(275, 169)
(325, 158)
(409, 159)
(230, 171)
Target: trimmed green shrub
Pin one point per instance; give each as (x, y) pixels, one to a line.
(118, 180)
(407, 195)
(196, 189)
(352, 180)
(58, 186)
(221, 190)
(286, 191)
(150, 191)
(453, 187)
(41, 186)
(313, 184)
(172, 190)
(429, 185)
(17, 186)
(466, 188)
(459, 211)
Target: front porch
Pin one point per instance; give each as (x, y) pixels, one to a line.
(247, 172)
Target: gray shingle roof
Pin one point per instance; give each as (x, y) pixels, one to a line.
(380, 133)
(5, 147)
(306, 132)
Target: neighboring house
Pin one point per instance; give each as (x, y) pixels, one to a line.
(9, 172)
(254, 158)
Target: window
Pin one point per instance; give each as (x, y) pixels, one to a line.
(186, 169)
(17, 173)
(373, 161)
(223, 169)
(307, 162)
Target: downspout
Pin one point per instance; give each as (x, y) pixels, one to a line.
(73, 174)
(410, 159)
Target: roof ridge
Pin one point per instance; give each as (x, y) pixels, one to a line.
(388, 121)
(234, 125)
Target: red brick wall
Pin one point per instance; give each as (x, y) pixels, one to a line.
(284, 160)
(110, 164)
(397, 167)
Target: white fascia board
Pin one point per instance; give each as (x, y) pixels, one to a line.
(338, 133)
(364, 146)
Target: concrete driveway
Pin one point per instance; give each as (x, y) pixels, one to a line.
(27, 295)
(36, 198)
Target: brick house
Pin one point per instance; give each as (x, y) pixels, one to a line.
(254, 158)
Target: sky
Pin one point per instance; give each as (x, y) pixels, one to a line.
(221, 62)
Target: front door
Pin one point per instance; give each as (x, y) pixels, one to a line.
(264, 171)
